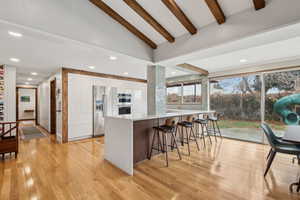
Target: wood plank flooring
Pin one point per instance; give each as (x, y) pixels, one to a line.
(226, 170)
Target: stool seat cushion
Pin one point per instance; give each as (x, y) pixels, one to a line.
(164, 128)
(201, 121)
(185, 124)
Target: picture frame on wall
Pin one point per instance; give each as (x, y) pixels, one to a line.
(25, 98)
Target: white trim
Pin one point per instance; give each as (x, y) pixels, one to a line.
(80, 138)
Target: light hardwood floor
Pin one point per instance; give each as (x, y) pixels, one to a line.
(226, 170)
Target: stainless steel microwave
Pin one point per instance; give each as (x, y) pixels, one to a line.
(124, 110)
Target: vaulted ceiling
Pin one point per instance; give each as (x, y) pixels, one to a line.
(159, 21)
(77, 34)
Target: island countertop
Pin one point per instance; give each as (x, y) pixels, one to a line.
(169, 113)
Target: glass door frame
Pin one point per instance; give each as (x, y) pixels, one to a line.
(262, 96)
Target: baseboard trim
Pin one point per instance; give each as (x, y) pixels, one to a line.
(59, 139)
(79, 138)
(21, 120)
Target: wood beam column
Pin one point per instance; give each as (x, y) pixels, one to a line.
(179, 14)
(216, 10)
(259, 4)
(65, 117)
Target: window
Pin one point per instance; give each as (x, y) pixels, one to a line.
(191, 94)
(174, 95)
(188, 93)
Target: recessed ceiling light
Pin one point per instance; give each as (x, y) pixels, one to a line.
(26, 83)
(14, 59)
(173, 73)
(113, 58)
(91, 67)
(243, 60)
(125, 73)
(34, 73)
(29, 79)
(15, 34)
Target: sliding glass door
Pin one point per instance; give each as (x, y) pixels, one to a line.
(282, 99)
(239, 99)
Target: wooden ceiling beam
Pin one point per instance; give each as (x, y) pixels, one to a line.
(259, 4)
(113, 14)
(179, 14)
(149, 19)
(193, 68)
(216, 10)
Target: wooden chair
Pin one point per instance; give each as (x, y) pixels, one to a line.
(9, 141)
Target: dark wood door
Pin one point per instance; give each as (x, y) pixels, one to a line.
(53, 106)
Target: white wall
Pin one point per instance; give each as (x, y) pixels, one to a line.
(27, 105)
(9, 93)
(80, 101)
(44, 105)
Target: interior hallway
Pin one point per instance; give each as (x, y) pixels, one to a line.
(29, 130)
(229, 170)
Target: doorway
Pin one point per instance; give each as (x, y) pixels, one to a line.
(53, 106)
(26, 104)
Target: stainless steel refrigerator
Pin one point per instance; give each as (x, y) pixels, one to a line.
(99, 110)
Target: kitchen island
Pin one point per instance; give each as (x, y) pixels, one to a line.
(127, 138)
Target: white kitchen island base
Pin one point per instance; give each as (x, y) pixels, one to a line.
(127, 139)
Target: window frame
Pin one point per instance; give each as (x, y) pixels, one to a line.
(181, 102)
(180, 95)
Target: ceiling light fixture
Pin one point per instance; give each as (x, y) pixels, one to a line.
(243, 60)
(26, 83)
(29, 79)
(34, 73)
(91, 67)
(173, 73)
(113, 58)
(14, 59)
(15, 34)
(125, 73)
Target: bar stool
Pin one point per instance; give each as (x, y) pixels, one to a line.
(167, 129)
(214, 128)
(214, 120)
(185, 125)
(204, 129)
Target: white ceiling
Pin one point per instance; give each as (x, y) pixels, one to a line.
(45, 53)
(260, 55)
(196, 10)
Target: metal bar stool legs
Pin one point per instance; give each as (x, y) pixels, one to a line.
(212, 129)
(214, 126)
(176, 145)
(159, 147)
(204, 129)
(165, 147)
(218, 128)
(162, 146)
(202, 135)
(185, 136)
(192, 133)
